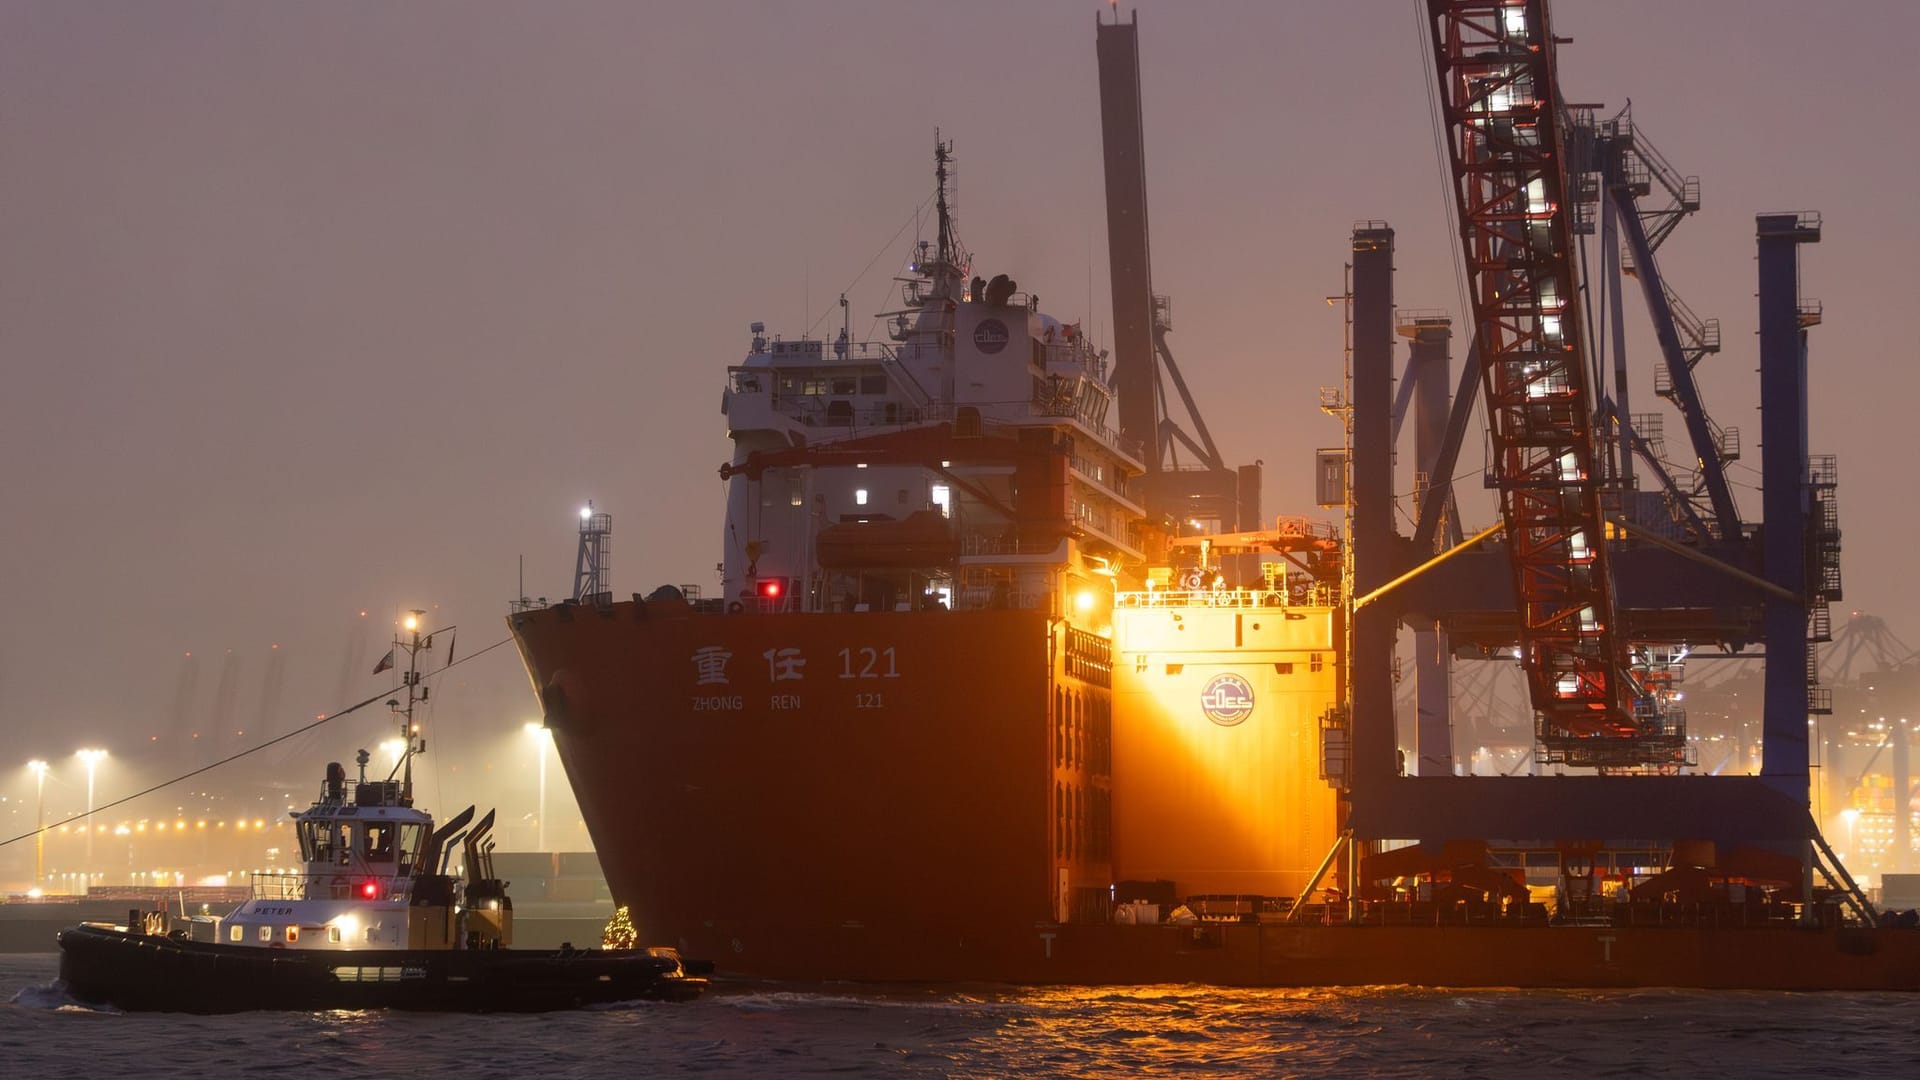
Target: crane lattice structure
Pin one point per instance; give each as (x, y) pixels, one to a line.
(1507, 146)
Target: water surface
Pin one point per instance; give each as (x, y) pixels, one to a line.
(775, 1030)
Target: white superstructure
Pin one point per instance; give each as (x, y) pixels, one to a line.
(966, 461)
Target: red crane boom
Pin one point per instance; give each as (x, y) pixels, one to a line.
(1503, 124)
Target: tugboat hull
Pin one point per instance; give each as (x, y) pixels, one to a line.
(108, 966)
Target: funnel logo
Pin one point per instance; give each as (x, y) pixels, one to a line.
(990, 336)
(1227, 700)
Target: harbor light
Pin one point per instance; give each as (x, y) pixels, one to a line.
(538, 732)
(39, 770)
(92, 758)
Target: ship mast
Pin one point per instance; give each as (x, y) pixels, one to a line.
(410, 738)
(941, 152)
(947, 270)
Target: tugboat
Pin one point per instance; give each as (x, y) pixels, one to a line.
(374, 921)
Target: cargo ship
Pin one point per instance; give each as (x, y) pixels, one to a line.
(970, 703)
(918, 663)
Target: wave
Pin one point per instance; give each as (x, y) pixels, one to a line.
(53, 997)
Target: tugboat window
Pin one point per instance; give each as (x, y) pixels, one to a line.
(293, 933)
(343, 843)
(233, 933)
(378, 845)
(266, 933)
(316, 841)
(412, 839)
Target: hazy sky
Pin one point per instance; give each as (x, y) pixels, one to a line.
(314, 307)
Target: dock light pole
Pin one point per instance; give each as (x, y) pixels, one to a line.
(39, 769)
(538, 732)
(92, 758)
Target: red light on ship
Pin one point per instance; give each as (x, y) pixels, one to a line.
(771, 588)
(370, 889)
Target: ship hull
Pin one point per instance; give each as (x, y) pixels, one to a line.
(917, 825)
(139, 972)
(1252, 955)
(898, 781)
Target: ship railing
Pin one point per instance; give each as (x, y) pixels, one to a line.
(814, 410)
(764, 605)
(268, 885)
(994, 542)
(272, 886)
(1214, 598)
(1075, 354)
(812, 351)
(1110, 436)
(1103, 475)
(1288, 525)
(996, 597)
(1015, 301)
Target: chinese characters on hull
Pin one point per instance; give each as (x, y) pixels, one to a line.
(789, 664)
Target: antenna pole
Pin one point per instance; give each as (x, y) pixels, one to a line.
(940, 152)
(409, 733)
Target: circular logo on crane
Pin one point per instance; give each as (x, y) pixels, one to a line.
(991, 336)
(1227, 699)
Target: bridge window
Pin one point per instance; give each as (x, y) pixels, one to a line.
(316, 841)
(412, 840)
(235, 932)
(377, 841)
(266, 933)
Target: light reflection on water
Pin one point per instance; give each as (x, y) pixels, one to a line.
(783, 1030)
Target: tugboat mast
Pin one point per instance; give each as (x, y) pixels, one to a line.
(410, 738)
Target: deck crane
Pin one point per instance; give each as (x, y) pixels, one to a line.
(1507, 140)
